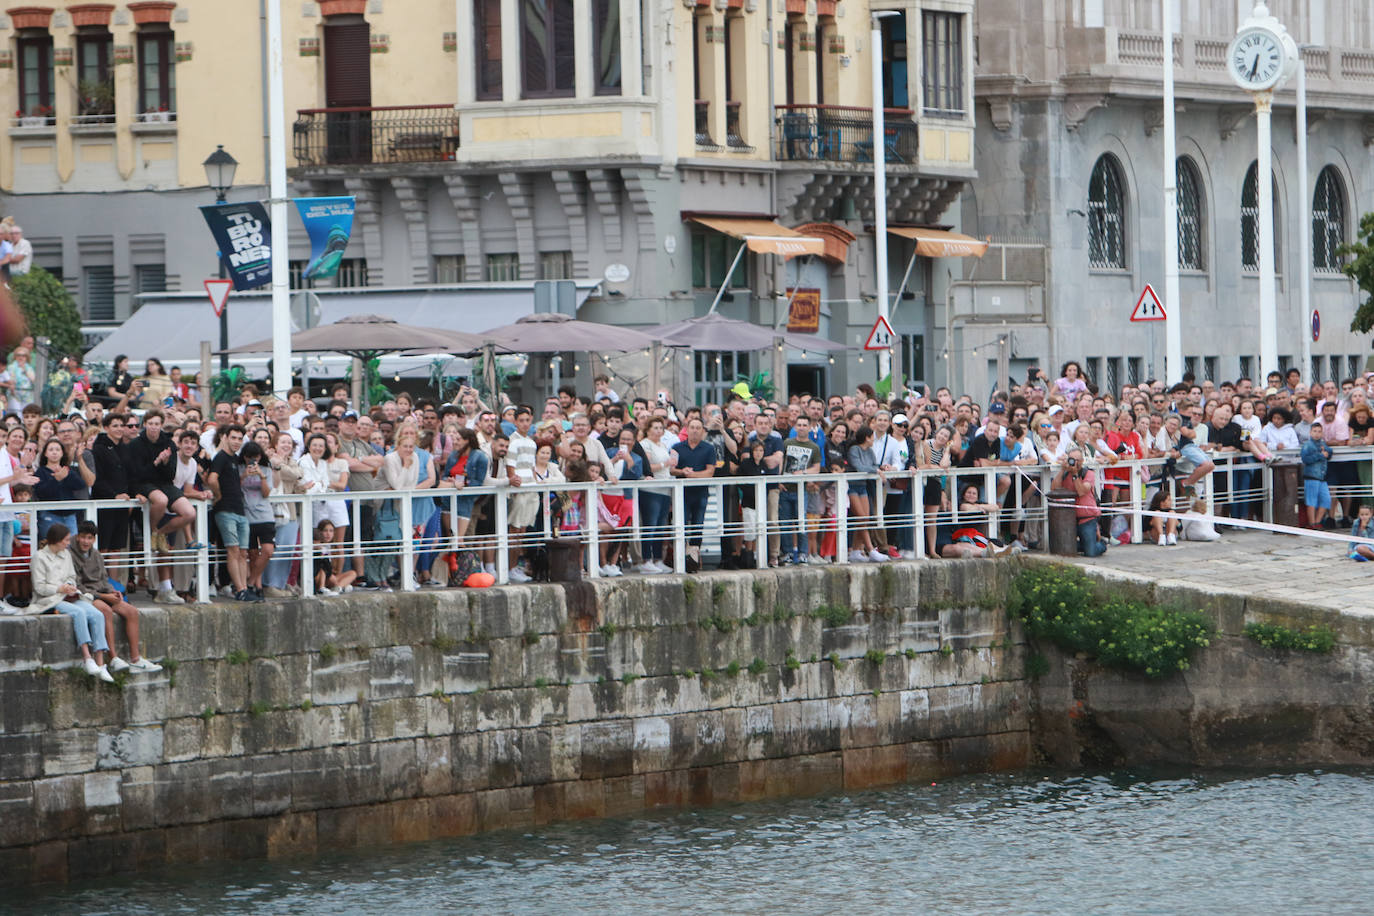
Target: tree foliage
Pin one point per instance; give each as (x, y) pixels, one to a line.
(49, 309)
(1360, 267)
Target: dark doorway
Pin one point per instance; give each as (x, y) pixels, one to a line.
(806, 380)
(348, 88)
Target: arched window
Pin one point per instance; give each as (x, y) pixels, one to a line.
(1191, 217)
(1328, 220)
(1106, 216)
(1249, 220)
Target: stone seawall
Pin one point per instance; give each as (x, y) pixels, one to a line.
(1239, 705)
(297, 726)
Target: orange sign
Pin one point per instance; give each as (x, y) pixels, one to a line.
(805, 315)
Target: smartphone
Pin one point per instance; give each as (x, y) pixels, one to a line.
(168, 401)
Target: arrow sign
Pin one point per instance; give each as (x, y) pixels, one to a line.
(218, 291)
(880, 338)
(1148, 307)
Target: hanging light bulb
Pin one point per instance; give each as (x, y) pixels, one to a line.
(832, 360)
(396, 377)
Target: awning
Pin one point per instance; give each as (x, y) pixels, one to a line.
(171, 326)
(941, 243)
(763, 236)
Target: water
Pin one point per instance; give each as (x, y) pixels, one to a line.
(1121, 842)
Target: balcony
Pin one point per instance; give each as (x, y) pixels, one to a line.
(734, 139)
(363, 136)
(703, 124)
(836, 133)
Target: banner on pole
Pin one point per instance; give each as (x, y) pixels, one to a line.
(243, 233)
(329, 223)
(804, 317)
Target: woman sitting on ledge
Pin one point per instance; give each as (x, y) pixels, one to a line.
(54, 589)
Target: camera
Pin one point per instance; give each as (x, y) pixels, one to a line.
(1072, 462)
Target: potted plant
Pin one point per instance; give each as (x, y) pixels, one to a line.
(96, 99)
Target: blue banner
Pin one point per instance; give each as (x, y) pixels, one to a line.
(328, 222)
(243, 233)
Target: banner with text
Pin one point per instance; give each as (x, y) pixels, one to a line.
(328, 222)
(243, 233)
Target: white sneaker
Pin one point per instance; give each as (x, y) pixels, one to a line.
(1172, 541)
(346, 589)
(169, 596)
(143, 666)
(651, 569)
(908, 554)
(858, 556)
(226, 591)
(611, 570)
(117, 665)
(1163, 541)
(877, 556)
(662, 567)
(1200, 489)
(518, 575)
(326, 593)
(489, 568)
(91, 668)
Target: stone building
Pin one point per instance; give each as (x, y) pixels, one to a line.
(496, 143)
(1070, 163)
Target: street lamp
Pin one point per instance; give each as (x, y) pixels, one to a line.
(219, 172)
(219, 175)
(880, 178)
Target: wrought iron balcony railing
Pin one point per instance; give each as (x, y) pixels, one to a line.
(359, 136)
(838, 133)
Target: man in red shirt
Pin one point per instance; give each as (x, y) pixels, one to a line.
(1125, 442)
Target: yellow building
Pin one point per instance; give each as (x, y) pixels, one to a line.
(504, 142)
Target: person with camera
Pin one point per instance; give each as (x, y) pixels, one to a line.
(1077, 476)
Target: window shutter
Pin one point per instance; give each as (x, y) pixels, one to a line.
(348, 65)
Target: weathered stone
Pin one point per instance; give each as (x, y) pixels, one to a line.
(607, 749)
(59, 805)
(69, 751)
(21, 756)
(392, 672)
(18, 814)
(130, 747)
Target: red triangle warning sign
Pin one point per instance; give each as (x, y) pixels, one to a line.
(218, 291)
(1148, 307)
(880, 338)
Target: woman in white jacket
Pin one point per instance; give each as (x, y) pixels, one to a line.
(55, 589)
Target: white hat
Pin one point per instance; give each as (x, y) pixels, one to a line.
(1056, 409)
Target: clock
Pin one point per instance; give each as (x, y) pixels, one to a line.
(1257, 58)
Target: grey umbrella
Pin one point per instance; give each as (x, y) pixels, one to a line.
(367, 336)
(553, 332)
(716, 332)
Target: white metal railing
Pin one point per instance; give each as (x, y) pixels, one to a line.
(1238, 479)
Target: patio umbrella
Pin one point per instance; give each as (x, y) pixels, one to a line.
(554, 332)
(367, 336)
(716, 332)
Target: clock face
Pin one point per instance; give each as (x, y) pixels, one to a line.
(1255, 59)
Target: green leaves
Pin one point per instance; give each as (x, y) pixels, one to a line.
(1315, 638)
(49, 310)
(1360, 268)
(1062, 605)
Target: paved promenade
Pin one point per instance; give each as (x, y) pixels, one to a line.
(1303, 569)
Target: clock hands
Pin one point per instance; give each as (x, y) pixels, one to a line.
(1254, 66)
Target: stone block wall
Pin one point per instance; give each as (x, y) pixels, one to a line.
(294, 726)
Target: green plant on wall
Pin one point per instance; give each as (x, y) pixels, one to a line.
(1060, 604)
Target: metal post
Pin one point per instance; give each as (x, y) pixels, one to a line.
(203, 554)
(281, 283)
(679, 531)
(779, 363)
(842, 520)
(306, 509)
(760, 531)
(1137, 526)
(744, 246)
(1268, 316)
(1173, 313)
(205, 388)
(592, 495)
(918, 512)
(357, 384)
(1304, 225)
(407, 544)
(880, 181)
(502, 539)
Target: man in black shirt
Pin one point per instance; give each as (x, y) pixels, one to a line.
(150, 463)
(112, 482)
(230, 518)
(1227, 438)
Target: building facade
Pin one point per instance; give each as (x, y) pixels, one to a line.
(514, 141)
(1070, 162)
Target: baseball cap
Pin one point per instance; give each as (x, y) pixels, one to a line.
(255, 403)
(997, 407)
(1270, 392)
(900, 420)
(1056, 409)
(349, 415)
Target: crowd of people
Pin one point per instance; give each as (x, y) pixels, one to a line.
(967, 475)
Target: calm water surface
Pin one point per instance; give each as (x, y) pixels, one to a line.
(1121, 842)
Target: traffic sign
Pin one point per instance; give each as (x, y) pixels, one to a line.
(1316, 325)
(1148, 307)
(218, 290)
(880, 338)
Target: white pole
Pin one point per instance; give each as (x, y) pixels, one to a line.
(1304, 225)
(281, 292)
(1173, 312)
(880, 180)
(1268, 318)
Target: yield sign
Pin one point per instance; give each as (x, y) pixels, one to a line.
(218, 291)
(880, 338)
(1148, 307)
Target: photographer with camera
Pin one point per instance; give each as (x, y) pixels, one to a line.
(1075, 475)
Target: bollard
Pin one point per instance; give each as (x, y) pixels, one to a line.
(565, 560)
(1285, 493)
(1063, 523)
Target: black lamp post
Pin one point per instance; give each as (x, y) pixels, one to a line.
(219, 175)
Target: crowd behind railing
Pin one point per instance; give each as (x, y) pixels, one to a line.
(135, 488)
